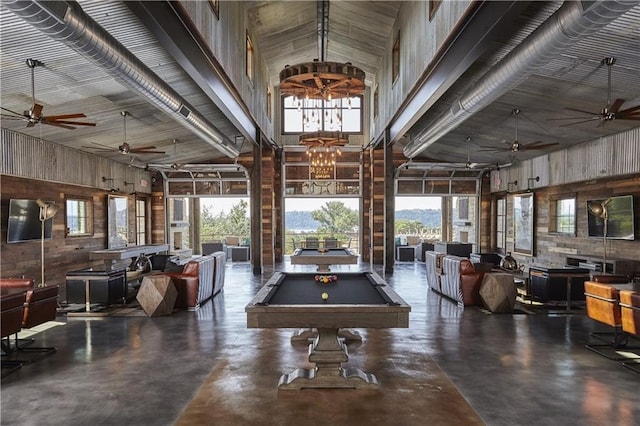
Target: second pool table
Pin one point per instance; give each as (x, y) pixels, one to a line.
(324, 257)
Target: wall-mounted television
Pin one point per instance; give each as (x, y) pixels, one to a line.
(620, 218)
(24, 222)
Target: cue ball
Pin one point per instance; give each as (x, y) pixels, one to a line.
(325, 296)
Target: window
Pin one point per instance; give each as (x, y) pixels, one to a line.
(141, 222)
(563, 214)
(501, 225)
(215, 6)
(249, 58)
(375, 103)
(268, 100)
(463, 208)
(312, 115)
(433, 8)
(79, 217)
(395, 59)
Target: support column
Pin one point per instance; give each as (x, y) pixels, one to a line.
(377, 205)
(256, 211)
(389, 206)
(267, 203)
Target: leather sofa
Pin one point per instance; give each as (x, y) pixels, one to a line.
(433, 265)
(220, 260)
(459, 281)
(199, 280)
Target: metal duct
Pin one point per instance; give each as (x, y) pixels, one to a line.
(564, 28)
(68, 23)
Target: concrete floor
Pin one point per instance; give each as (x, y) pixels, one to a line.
(452, 366)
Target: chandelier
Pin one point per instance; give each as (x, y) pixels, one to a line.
(323, 150)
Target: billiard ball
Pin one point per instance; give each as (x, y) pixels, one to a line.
(325, 296)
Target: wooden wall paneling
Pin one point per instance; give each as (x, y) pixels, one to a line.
(552, 249)
(62, 253)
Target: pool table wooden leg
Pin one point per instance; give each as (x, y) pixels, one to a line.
(306, 334)
(328, 352)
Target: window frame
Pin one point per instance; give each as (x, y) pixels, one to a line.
(501, 228)
(249, 57)
(555, 202)
(88, 216)
(434, 5)
(141, 206)
(323, 108)
(376, 102)
(269, 101)
(395, 59)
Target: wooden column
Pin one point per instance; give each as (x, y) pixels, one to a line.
(158, 217)
(256, 211)
(367, 224)
(377, 204)
(389, 207)
(267, 201)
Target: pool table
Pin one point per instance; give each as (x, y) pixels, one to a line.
(324, 257)
(294, 300)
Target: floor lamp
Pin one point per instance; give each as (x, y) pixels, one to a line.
(599, 209)
(47, 211)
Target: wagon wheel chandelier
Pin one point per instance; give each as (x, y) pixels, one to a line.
(323, 148)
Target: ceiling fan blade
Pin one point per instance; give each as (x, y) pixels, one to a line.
(580, 122)
(57, 124)
(545, 145)
(17, 114)
(142, 148)
(13, 117)
(616, 105)
(628, 110)
(583, 111)
(36, 111)
(135, 151)
(64, 116)
(73, 123)
(99, 149)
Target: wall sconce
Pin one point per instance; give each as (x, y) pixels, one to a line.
(531, 184)
(511, 185)
(106, 179)
(133, 186)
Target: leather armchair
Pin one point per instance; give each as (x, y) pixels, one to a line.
(630, 312)
(603, 305)
(40, 306)
(460, 281)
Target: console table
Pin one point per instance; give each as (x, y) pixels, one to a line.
(557, 283)
(111, 257)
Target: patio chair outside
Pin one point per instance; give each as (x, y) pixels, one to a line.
(312, 242)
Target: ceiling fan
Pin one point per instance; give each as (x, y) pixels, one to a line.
(516, 146)
(611, 111)
(125, 148)
(34, 115)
